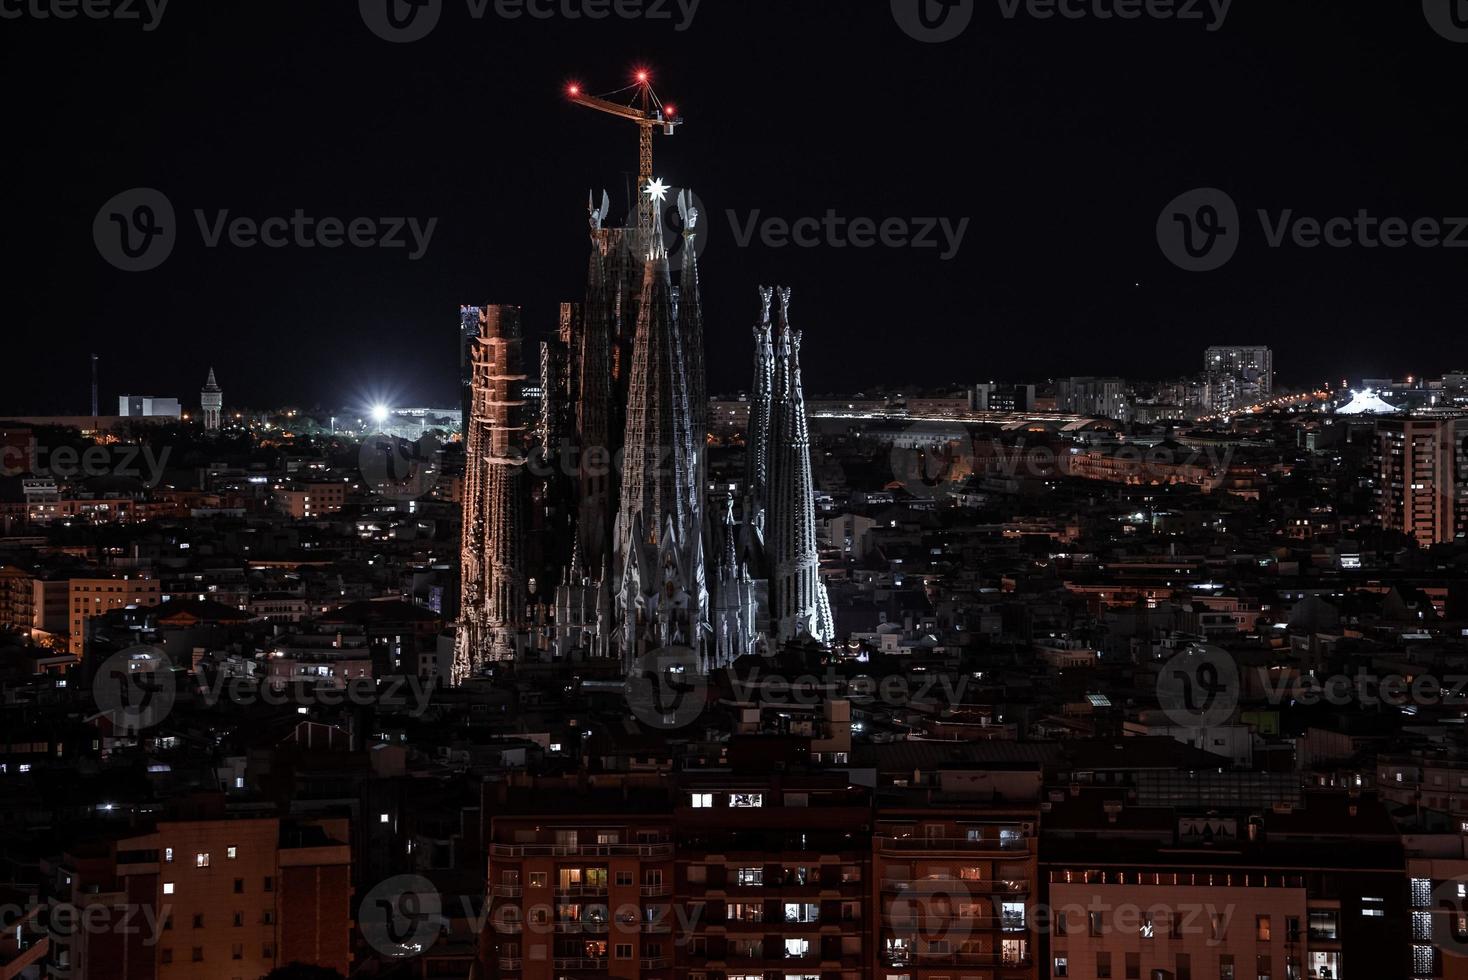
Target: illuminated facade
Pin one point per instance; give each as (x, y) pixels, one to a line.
(492, 563)
(1422, 477)
(640, 561)
(211, 403)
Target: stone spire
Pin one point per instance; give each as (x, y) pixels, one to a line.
(661, 598)
(211, 401)
(757, 452)
(800, 609)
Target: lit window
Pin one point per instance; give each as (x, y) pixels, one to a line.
(231, 852)
(383, 818)
(168, 888)
(746, 799)
(702, 799)
(168, 855)
(201, 860)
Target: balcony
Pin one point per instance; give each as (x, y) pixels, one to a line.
(505, 891)
(575, 963)
(964, 844)
(657, 891)
(510, 963)
(975, 958)
(582, 850)
(960, 886)
(928, 920)
(578, 928)
(581, 891)
(656, 962)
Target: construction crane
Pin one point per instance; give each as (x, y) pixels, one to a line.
(648, 112)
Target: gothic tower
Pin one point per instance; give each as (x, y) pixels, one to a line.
(211, 400)
(661, 599)
(800, 608)
(491, 561)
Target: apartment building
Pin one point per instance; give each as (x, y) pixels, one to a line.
(955, 882)
(207, 898)
(90, 597)
(580, 884)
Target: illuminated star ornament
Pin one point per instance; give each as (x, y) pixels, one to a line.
(657, 190)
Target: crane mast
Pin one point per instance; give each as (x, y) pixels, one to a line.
(649, 113)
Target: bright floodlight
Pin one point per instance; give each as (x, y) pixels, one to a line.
(380, 414)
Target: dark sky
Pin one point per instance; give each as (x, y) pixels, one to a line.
(1060, 140)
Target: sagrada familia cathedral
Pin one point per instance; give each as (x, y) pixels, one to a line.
(590, 528)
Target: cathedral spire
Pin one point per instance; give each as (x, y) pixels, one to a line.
(800, 609)
(757, 452)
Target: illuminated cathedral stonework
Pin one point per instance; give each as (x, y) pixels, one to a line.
(648, 564)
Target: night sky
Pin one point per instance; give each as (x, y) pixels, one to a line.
(1061, 141)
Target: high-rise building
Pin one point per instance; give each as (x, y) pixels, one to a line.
(148, 406)
(1102, 397)
(1237, 377)
(492, 569)
(992, 397)
(1422, 476)
(211, 403)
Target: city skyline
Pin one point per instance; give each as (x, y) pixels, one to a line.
(1051, 138)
